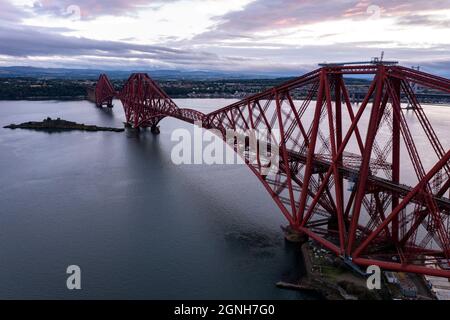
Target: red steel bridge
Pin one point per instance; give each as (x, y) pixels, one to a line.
(351, 175)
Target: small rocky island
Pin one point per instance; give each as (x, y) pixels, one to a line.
(50, 124)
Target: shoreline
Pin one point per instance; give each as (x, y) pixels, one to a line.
(329, 278)
(83, 98)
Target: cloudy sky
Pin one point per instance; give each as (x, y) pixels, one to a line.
(285, 36)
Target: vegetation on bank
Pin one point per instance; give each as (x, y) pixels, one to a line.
(37, 89)
(76, 89)
(61, 89)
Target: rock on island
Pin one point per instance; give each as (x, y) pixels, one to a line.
(50, 124)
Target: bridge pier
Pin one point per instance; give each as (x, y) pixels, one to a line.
(295, 236)
(155, 129)
(107, 104)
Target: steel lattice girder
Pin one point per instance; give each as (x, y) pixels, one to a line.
(386, 217)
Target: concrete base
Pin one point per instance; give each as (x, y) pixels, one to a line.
(294, 236)
(155, 130)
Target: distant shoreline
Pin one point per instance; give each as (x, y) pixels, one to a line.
(33, 89)
(85, 99)
(68, 99)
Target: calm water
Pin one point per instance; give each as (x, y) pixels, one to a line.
(136, 224)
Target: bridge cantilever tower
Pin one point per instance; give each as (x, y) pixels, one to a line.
(104, 92)
(350, 176)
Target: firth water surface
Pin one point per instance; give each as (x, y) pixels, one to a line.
(137, 225)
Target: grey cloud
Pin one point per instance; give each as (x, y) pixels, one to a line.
(425, 20)
(90, 9)
(10, 13)
(36, 42)
(263, 15)
(25, 44)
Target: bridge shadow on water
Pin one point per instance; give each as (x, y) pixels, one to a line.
(105, 113)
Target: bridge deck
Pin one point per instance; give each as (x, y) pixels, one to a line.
(377, 182)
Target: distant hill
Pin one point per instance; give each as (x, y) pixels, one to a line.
(61, 73)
